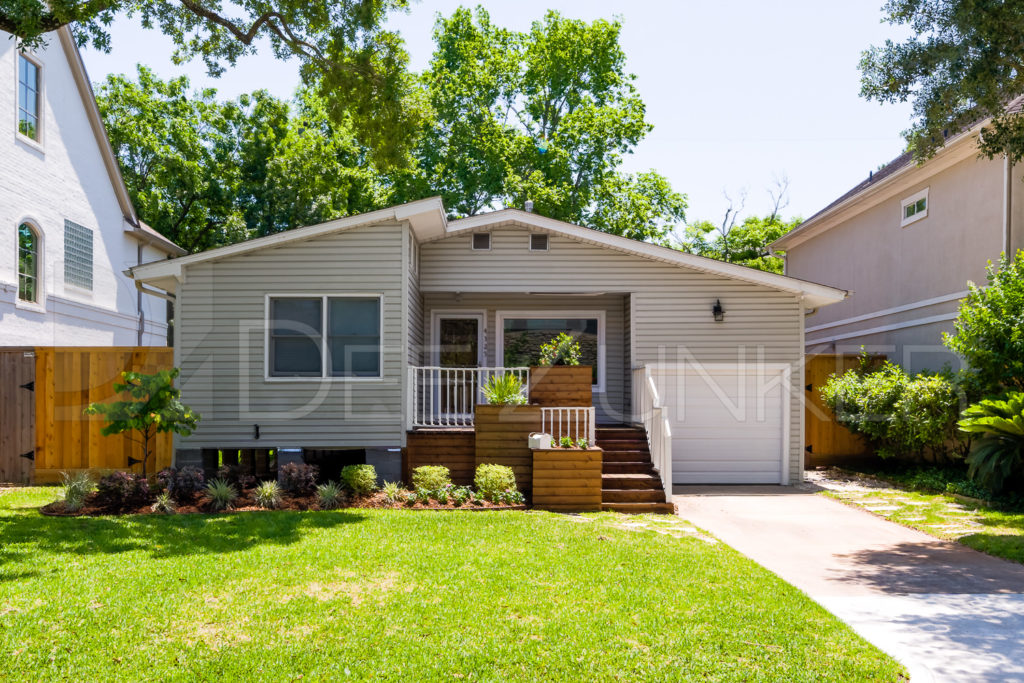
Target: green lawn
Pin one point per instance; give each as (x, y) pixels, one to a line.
(400, 595)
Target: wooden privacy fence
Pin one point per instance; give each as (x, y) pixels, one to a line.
(827, 441)
(65, 381)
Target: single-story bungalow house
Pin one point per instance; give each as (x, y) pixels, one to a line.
(351, 336)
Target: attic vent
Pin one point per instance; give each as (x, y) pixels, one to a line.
(538, 242)
(481, 241)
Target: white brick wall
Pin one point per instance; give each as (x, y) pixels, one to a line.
(65, 179)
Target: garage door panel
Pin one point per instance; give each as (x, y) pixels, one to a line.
(747, 477)
(751, 449)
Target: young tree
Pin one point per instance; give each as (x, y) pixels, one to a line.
(361, 68)
(154, 407)
(962, 64)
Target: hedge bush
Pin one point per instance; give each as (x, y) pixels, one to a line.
(359, 479)
(431, 477)
(492, 480)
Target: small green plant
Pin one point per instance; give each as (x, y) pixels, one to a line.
(75, 487)
(461, 496)
(268, 495)
(582, 443)
(423, 496)
(392, 491)
(221, 494)
(441, 495)
(492, 479)
(164, 504)
(998, 456)
(431, 477)
(565, 442)
(410, 498)
(154, 406)
(359, 479)
(562, 350)
(330, 495)
(504, 390)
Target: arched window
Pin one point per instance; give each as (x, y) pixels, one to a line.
(28, 263)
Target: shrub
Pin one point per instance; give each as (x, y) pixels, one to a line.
(898, 414)
(181, 483)
(298, 479)
(431, 477)
(234, 475)
(562, 350)
(221, 494)
(441, 495)
(493, 479)
(164, 504)
(504, 390)
(123, 489)
(392, 491)
(987, 329)
(268, 495)
(359, 479)
(76, 486)
(330, 495)
(998, 456)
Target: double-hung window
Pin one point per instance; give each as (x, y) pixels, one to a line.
(28, 98)
(324, 336)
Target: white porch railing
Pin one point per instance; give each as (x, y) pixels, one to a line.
(447, 397)
(576, 423)
(649, 411)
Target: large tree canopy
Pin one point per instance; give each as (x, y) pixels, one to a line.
(361, 68)
(963, 63)
(546, 115)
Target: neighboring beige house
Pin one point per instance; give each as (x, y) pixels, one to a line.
(904, 243)
(349, 334)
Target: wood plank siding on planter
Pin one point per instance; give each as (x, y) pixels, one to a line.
(566, 386)
(567, 479)
(502, 438)
(454, 449)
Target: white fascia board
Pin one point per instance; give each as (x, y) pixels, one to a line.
(420, 213)
(815, 295)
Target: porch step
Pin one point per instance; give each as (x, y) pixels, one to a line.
(630, 481)
(620, 433)
(640, 508)
(627, 456)
(632, 467)
(648, 495)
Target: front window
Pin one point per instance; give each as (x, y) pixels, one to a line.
(324, 337)
(28, 263)
(523, 336)
(28, 98)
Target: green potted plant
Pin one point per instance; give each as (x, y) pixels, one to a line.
(560, 380)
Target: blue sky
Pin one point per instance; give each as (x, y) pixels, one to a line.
(738, 92)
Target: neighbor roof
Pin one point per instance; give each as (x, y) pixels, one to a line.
(427, 218)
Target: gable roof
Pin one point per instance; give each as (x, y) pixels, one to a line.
(427, 218)
(138, 229)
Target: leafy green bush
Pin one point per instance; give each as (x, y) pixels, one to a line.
(431, 477)
(268, 495)
(998, 456)
(898, 414)
(359, 479)
(298, 479)
(491, 480)
(221, 494)
(75, 487)
(988, 332)
(504, 390)
(164, 504)
(331, 495)
(562, 350)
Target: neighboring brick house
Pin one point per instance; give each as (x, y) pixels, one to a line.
(68, 230)
(904, 243)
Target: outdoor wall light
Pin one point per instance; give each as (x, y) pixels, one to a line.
(718, 311)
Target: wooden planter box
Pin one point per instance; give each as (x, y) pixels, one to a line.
(501, 438)
(568, 386)
(567, 479)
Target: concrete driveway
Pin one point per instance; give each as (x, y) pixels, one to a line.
(947, 612)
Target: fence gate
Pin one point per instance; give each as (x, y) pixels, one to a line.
(17, 415)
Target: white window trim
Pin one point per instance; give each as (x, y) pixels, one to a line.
(39, 305)
(40, 94)
(324, 377)
(547, 243)
(499, 335)
(472, 241)
(913, 199)
(435, 333)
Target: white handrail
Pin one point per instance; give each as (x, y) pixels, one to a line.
(649, 411)
(447, 397)
(575, 422)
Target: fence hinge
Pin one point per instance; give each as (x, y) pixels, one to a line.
(809, 387)
(809, 448)
(31, 385)
(31, 455)
(133, 461)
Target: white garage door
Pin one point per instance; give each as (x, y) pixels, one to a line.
(729, 422)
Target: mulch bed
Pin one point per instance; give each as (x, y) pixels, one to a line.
(95, 506)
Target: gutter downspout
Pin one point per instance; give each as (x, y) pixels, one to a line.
(1008, 207)
(138, 299)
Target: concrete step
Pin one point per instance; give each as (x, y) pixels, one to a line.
(640, 508)
(631, 481)
(632, 496)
